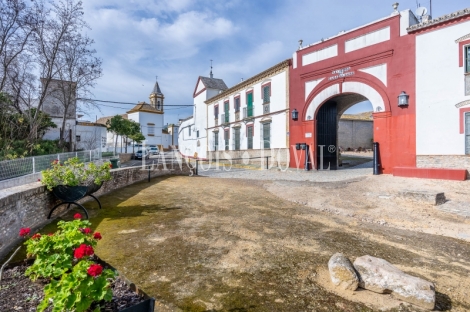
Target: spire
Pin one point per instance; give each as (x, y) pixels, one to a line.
(212, 76)
(156, 88)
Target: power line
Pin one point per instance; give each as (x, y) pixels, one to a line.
(126, 103)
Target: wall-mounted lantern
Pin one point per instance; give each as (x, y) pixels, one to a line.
(297, 146)
(295, 114)
(403, 99)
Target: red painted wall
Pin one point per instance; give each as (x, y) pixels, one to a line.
(394, 129)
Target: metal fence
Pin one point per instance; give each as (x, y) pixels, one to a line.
(26, 170)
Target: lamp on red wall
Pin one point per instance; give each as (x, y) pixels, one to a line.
(295, 114)
(403, 99)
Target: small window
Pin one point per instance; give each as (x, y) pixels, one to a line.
(77, 138)
(266, 93)
(267, 135)
(197, 133)
(216, 141)
(237, 104)
(151, 130)
(216, 111)
(249, 134)
(189, 131)
(467, 59)
(159, 105)
(236, 132)
(227, 139)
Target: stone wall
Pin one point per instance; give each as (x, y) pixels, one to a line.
(443, 161)
(28, 205)
(278, 156)
(355, 133)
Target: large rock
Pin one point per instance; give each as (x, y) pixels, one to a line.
(382, 277)
(342, 272)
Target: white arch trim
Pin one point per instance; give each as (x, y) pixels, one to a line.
(367, 91)
(319, 99)
(348, 87)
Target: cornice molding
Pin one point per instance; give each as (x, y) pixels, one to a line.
(439, 20)
(280, 67)
(464, 38)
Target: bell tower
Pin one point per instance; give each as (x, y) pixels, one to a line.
(157, 98)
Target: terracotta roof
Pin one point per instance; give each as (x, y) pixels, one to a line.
(90, 124)
(144, 107)
(439, 20)
(366, 116)
(103, 120)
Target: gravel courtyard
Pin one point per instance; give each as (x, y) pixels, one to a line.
(257, 240)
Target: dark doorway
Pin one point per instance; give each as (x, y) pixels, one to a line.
(326, 136)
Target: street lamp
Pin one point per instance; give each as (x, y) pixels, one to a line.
(403, 99)
(295, 114)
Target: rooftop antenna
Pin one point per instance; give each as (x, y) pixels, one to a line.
(420, 12)
(212, 76)
(430, 8)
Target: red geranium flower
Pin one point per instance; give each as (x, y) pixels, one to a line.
(77, 216)
(111, 166)
(24, 232)
(86, 231)
(95, 270)
(97, 235)
(82, 251)
(56, 161)
(36, 236)
(39, 180)
(50, 234)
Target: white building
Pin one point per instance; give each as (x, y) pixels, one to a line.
(90, 136)
(150, 117)
(248, 120)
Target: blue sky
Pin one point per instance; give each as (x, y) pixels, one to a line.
(175, 39)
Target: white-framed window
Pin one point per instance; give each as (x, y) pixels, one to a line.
(467, 59)
(151, 129)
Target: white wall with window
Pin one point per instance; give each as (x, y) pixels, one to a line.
(442, 65)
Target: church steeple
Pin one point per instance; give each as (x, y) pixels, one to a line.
(157, 97)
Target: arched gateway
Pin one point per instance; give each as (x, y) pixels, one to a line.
(325, 105)
(375, 62)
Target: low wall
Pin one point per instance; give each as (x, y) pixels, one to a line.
(443, 161)
(28, 205)
(278, 156)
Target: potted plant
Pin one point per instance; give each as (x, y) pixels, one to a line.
(73, 180)
(75, 279)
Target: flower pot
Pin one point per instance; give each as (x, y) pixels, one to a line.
(70, 193)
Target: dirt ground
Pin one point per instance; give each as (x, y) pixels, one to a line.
(208, 244)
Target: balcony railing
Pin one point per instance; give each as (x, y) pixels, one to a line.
(237, 116)
(266, 109)
(248, 112)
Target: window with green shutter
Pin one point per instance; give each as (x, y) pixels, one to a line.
(237, 104)
(249, 104)
(216, 141)
(267, 135)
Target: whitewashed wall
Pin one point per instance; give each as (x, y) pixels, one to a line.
(278, 103)
(439, 87)
(145, 118)
(91, 137)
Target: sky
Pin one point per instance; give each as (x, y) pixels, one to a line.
(175, 40)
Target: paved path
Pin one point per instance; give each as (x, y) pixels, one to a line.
(290, 174)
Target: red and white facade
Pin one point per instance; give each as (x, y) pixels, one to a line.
(377, 62)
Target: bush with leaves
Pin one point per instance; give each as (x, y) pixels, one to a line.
(65, 259)
(73, 172)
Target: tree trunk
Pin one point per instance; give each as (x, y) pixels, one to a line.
(115, 145)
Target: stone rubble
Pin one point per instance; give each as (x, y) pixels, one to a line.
(342, 272)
